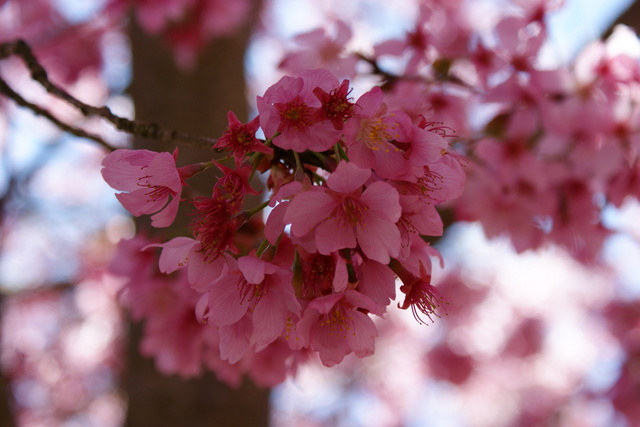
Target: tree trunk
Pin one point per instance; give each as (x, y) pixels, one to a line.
(195, 102)
(6, 398)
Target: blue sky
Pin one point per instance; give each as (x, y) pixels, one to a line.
(581, 21)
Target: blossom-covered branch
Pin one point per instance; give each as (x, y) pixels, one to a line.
(353, 187)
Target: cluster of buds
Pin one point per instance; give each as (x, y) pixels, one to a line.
(352, 190)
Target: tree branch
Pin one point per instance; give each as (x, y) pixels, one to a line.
(145, 130)
(6, 90)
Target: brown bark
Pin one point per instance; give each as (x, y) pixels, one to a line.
(195, 102)
(6, 398)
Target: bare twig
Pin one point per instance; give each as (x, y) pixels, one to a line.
(18, 99)
(141, 129)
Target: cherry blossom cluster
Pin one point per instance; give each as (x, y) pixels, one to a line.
(352, 188)
(550, 146)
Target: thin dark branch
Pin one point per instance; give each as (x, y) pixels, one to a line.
(18, 99)
(389, 79)
(145, 130)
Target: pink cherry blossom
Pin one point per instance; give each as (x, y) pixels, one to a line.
(256, 287)
(344, 216)
(377, 281)
(184, 252)
(336, 105)
(371, 133)
(446, 364)
(150, 181)
(216, 220)
(420, 295)
(321, 274)
(241, 138)
(334, 326)
(172, 334)
(318, 49)
(289, 109)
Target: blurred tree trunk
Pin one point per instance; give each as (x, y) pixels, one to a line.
(6, 398)
(195, 102)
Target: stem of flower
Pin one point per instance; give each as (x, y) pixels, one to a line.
(346, 254)
(251, 212)
(299, 174)
(189, 171)
(340, 153)
(263, 246)
(270, 140)
(403, 274)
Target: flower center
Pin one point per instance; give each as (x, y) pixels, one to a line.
(430, 182)
(318, 276)
(377, 135)
(251, 292)
(157, 192)
(294, 114)
(338, 321)
(352, 210)
(212, 226)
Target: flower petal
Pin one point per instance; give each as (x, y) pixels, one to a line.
(384, 199)
(333, 235)
(378, 238)
(226, 305)
(348, 177)
(307, 210)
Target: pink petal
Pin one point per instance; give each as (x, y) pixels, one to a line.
(318, 78)
(361, 155)
(303, 329)
(333, 235)
(428, 221)
(163, 172)
(202, 308)
(324, 304)
(377, 281)
(360, 300)
(452, 175)
(166, 216)
(226, 306)
(378, 238)
(348, 177)
(390, 164)
(122, 168)
(285, 192)
(175, 253)
(331, 349)
(235, 340)
(201, 273)
(341, 276)
(307, 210)
(275, 225)
(138, 202)
(369, 103)
(362, 340)
(384, 199)
(269, 318)
(254, 269)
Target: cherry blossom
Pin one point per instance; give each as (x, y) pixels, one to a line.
(150, 181)
(334, 327)
(288, 112)
(343, 215)
(241, 138)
